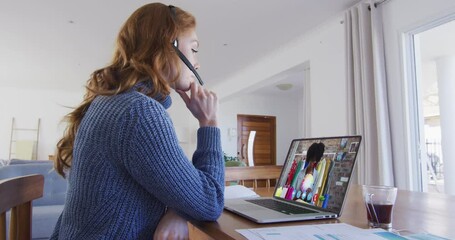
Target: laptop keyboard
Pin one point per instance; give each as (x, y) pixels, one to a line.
(280, 206)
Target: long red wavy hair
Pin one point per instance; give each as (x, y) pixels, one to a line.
(143, 53)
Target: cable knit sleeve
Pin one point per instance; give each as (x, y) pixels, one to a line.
(155, 160)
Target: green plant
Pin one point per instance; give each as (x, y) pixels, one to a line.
(230, 158)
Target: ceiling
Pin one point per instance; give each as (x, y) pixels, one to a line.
(51, 44)
(437, 42)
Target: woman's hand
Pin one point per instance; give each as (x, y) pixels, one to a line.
(203, 104)
(171, 226)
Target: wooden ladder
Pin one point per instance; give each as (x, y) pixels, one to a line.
(13, 138)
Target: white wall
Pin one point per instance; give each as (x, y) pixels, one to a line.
(399, 19)
(26, 106)
(185, 124)
(286, 111)
(328, 81)
(324, 48)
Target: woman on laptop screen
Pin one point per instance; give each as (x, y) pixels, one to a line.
(314, 155)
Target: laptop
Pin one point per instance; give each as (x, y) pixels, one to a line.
(312, 185)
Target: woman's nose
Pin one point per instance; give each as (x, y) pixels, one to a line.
(196, 65)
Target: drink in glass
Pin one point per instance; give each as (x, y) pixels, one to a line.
(379, 201)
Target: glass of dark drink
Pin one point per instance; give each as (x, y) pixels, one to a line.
(379, 201)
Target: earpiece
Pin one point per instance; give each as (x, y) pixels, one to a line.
(185, 60)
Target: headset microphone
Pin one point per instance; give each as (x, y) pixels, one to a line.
(187, 63)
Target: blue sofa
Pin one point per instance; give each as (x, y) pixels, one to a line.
(47, 209)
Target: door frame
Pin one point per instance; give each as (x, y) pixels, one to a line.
(415, 122)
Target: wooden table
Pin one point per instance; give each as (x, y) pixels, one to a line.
(414, 212)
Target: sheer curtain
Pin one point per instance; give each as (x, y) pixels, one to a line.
(368, 111)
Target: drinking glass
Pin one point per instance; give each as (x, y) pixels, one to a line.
(379, 201)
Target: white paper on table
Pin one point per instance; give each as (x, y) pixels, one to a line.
(339, 231)
(238, 191)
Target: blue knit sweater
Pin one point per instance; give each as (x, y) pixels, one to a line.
(128, 167)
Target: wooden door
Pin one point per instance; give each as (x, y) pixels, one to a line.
(264, 149)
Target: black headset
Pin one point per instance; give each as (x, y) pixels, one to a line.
(185, 60)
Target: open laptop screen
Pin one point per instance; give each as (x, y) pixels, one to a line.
(317, 171)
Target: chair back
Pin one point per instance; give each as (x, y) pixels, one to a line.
(241, 174)
(17, 194)
(55, 186)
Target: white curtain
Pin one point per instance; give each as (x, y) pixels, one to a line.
(368, 111)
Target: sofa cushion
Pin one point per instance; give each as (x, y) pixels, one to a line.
(21, 161)
(44, 220)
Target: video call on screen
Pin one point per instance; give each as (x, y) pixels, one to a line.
(317, 171)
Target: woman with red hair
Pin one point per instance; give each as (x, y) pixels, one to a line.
(128, 178)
